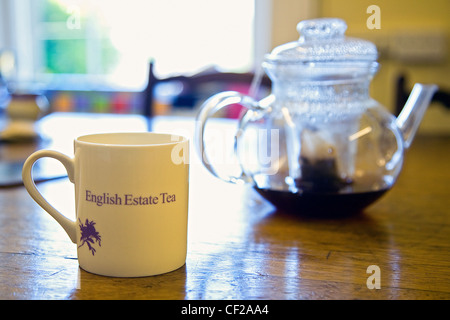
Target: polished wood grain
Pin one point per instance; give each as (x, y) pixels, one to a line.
(241, 247)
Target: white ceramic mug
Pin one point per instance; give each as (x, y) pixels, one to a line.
(131, 200)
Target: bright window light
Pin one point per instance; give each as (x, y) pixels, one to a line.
(112, 41)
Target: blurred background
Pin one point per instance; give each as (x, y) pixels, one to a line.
(93, 55)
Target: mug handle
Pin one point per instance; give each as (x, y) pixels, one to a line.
(68, 225)
(209, 108)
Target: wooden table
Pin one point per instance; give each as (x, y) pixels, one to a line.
(240, 246)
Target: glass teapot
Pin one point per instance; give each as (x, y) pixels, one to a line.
(318, 144)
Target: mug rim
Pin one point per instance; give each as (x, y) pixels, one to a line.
(167, 139)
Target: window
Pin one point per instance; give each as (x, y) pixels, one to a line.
(98, 44)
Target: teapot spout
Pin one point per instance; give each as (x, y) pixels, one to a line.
(409, 119)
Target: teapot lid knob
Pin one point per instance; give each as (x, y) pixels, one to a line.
(321, 29)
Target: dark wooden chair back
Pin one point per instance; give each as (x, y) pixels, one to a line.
(192, 83)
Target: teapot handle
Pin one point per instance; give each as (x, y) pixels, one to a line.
(208, 109)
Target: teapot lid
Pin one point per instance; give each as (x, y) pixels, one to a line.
(323, 40)
(323, 53)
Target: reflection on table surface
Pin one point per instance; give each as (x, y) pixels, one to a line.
(57, 132)
(239, 245)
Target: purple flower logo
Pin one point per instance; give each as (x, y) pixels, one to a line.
(89, 235)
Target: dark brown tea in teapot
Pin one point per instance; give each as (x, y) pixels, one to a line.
(322, 193)
(321, 204)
